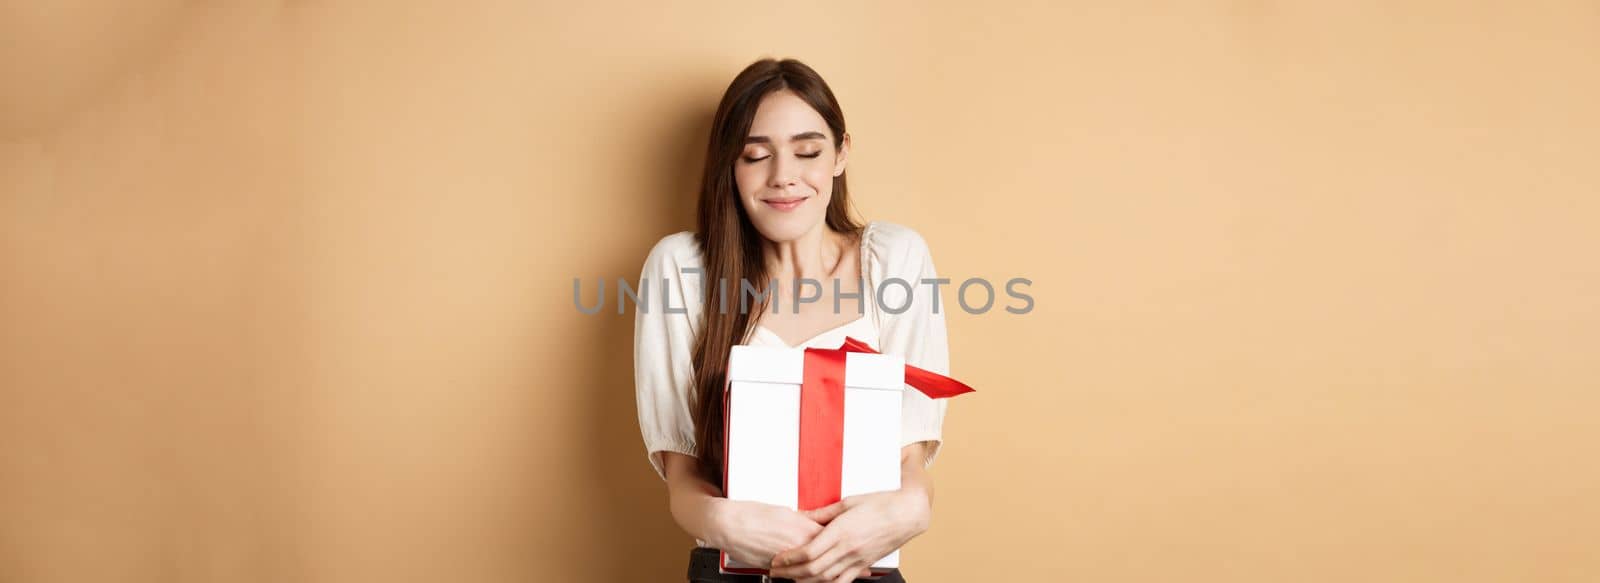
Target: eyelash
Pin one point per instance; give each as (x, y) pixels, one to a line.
(754, 160)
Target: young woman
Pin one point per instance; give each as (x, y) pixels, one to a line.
(774, 211)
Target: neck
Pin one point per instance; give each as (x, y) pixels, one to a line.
(814, 255)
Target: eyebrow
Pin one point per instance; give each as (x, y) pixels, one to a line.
(793, 138)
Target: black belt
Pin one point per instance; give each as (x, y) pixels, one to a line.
(703, 569)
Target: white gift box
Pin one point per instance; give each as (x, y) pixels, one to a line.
(763, 430)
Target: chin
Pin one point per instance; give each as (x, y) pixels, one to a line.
(779, 229)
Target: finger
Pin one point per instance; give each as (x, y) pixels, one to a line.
(814, 567)
(841, 571)
(807, 552)
(822, 570)
(807, 528)
(826, 514)
(805, 534)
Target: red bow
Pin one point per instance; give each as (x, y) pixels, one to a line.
(822, 417)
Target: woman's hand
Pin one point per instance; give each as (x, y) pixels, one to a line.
(753, 533)
(859, 530)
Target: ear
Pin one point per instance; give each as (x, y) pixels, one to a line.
(844, 152)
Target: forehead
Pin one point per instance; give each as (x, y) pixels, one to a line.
(784, 114)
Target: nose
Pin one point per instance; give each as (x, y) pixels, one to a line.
(783, 173)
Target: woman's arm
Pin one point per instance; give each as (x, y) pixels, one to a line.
(750, 532)
(693, 500)
(915, 480)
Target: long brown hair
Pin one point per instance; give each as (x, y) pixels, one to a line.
(729, 242)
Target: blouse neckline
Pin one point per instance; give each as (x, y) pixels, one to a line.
(866, 281)
(820, 335)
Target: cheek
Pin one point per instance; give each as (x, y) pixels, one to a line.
(820, 176)
(748, 178)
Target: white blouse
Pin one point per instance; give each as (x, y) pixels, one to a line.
(663, 342)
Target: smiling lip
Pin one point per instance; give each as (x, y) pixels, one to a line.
(786, 204)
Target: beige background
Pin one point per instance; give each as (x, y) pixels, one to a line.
(285, 287)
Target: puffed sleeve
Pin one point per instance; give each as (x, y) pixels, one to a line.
(663, 349)
(918, 332)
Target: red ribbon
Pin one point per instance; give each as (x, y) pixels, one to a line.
(822, 417)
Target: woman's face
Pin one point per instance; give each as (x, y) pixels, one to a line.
(785, 174)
